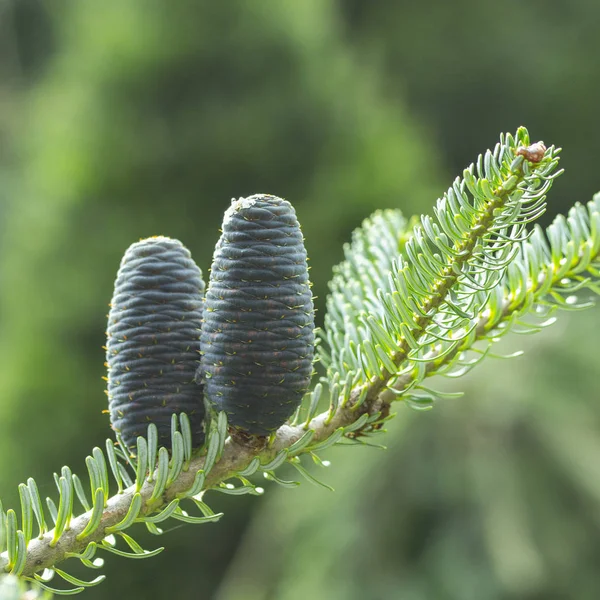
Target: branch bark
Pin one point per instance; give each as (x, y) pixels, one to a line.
(236, 456)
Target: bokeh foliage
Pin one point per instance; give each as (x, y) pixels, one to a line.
(147, 117)
(472, 69)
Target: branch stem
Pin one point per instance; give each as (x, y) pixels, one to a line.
(236, 456)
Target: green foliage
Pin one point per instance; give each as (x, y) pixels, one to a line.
(393, 310)
(56, 526)
(539, 274)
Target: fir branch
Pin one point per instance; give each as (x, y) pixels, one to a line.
(550, 269)
(467, 279)
(434, 289)
(235, 456)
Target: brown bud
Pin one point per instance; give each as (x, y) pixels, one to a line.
(534, 153)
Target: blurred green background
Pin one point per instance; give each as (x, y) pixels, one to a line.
(124, 119)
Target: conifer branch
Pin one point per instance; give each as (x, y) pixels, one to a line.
(545, 275)
(235, 457)
(378, 328)
(404, 306)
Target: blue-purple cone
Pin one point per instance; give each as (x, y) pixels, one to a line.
(257, 340)
(153, 343)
